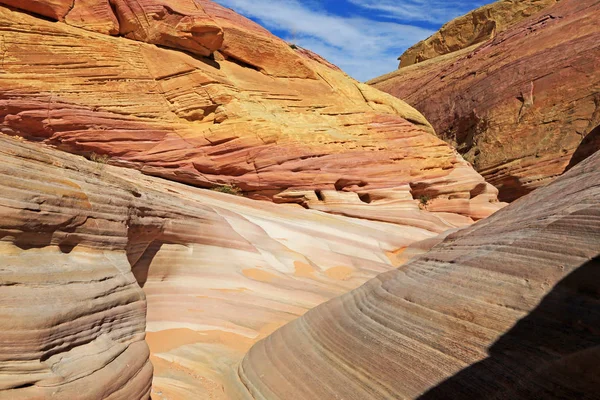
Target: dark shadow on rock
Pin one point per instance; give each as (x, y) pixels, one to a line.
(553, 353)
(209, 60)
(142, 266)
(33, 240)
(588, 146)
(512, 189)
(465, 131)
(143, 243)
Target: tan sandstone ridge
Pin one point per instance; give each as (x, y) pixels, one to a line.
(190, 91)
(473, 28)
(506, 309)
(522, 107)
(87, 249)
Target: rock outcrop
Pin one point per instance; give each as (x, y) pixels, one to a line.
(88, 249)
(519, 106)
(508, 308)
(473, 28)
(192, 92)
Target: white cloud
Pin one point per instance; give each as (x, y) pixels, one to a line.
(362, 47)
(432, 11)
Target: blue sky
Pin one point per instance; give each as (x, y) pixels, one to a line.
(363, 37)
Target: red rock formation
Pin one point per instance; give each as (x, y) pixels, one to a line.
(518, 106)
(256, 114)
(508, 308)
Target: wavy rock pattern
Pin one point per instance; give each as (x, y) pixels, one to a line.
(508, 308)
(473, 28)
(256, 114)
(87, 249)
(519, 106)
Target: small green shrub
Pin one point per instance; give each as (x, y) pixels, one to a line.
(293, 46)
(424, 199)
(228, 189)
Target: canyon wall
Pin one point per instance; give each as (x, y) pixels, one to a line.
(522, 107)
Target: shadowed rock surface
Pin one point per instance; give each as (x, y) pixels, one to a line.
(519, 105)
(508, 308)
(192, 92)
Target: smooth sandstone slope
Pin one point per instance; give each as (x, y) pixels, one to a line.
(473, 28)
(192, 92)
(519, 107)
(92, 256)
(506, 309)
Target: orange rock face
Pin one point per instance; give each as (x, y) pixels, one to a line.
(501, 310)
(518, 107)
(222, 102)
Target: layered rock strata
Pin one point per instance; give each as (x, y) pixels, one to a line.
(192, 92)
(88, 249)
(520, 106)
(473, 28)
(508, 308)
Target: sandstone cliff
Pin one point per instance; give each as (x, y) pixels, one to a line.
(506, 309)
(192, 92)
(473, 28)
(519, 107)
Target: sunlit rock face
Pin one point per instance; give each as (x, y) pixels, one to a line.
(508, 308)
(95, 258)
(522, 107)
(192, 92)
(473, 28)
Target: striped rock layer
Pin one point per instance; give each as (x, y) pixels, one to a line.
(192, 92)
(95, 258)
(506, 309)
(522, 107)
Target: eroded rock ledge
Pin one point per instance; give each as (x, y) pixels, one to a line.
(508, 308)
